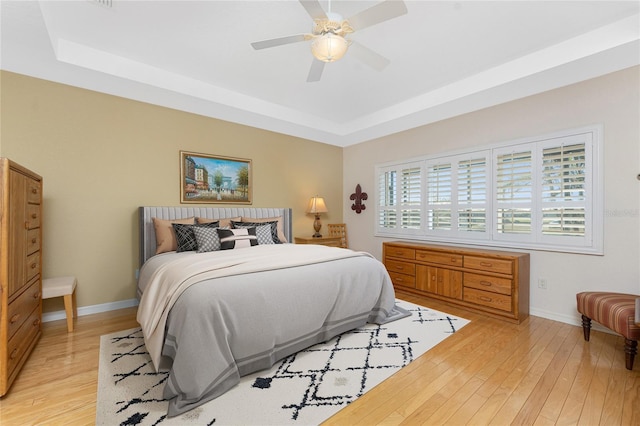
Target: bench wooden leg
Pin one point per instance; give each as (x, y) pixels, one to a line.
(70, 310)
(630, 350)
(586, 327)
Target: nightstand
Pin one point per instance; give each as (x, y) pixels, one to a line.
(324, 241)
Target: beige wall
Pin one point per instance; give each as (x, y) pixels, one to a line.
(612, 100)
(102, 156)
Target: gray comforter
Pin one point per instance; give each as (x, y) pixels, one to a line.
(226, 325)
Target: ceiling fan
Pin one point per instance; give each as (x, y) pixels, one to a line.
(328, 37)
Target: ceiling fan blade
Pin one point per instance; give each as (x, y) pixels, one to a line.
(388, 9)
(314, 9)
(316, 71)
(264, 44)
(368, 56)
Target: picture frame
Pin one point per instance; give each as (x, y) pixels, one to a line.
(206, 178)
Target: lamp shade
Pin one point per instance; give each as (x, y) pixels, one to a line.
(329, 47)
(317, 205)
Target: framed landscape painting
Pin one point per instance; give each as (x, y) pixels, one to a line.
(214, 179)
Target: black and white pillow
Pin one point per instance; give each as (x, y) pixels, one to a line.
(273, 225)
(237, 238)
(185, 236)
(263, 233)
(207, 238)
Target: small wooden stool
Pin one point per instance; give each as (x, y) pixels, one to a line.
(616, 311)
(63, 286)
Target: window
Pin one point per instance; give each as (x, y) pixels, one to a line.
(400, 198)
(540, 193)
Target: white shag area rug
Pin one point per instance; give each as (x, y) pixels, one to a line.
(303, 389)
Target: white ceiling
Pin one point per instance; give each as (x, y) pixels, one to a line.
(447, 58)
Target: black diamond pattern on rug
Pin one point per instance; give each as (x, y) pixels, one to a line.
(377, 339)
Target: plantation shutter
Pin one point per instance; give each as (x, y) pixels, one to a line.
(439, 197)
(472, 195)
(387, 199)
(400, 198)
(514, 192)
(563, 190)
(411, 189)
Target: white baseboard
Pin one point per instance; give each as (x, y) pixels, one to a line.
(567, 319)
(93, 309)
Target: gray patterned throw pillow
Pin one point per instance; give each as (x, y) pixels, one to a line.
(207, 238)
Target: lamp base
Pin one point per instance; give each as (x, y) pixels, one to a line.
(316, 227)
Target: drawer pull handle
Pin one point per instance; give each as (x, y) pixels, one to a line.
(486, 264)
(34, 190)
(398, 253)
(486, 299)
(36, 322)
(34, 265)
(14, 318)
(14, 354)
(486, 283)
(34, 215)
(454, 260)
(400, 268)
(36, 295)
(34, 240)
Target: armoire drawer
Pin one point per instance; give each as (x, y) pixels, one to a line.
(486, 298)
(32, 266)
(449, 259)
(34, 192)
(33, 240)
(21, 341)
(33, 216)
(489, 265)
(20, 308)
(487, 283)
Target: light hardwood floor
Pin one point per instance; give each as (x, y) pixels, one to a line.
(540, 372)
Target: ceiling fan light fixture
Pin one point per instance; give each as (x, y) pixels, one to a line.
(329, 47)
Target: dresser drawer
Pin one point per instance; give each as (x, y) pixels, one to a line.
(32, 266)
(33, 216)
(403, 280)
(34, 191)
(492, 284)
(489, 265)
(448, 259)
(22, 306)
(33, 240)
(21, 341)
(400, 267)
(405, 253)
(485, 298)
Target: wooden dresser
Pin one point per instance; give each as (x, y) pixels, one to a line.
(488, 281)
(20, 268)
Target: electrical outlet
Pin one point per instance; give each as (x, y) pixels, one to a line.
(542, 283)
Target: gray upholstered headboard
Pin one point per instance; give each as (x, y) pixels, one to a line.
(147, 232)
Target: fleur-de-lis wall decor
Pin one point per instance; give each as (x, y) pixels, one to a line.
(358, 197)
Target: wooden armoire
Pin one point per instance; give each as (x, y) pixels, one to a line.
(20, 268)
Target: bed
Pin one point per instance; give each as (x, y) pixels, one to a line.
(212, 315)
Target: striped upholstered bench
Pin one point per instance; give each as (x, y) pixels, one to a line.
(615, 311)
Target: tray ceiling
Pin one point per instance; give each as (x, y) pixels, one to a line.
(447, 58)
